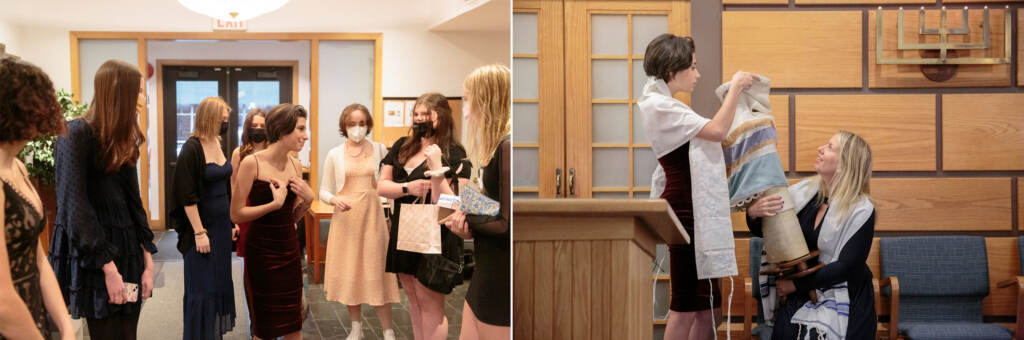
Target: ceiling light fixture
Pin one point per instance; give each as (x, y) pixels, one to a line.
(233, 10)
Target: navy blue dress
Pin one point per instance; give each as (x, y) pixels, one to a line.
(209, 302)
(100, 218)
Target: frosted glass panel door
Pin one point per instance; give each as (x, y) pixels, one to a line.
(622, 158)
(525, 105)
(537, 101)
(345, 77)
(606, 145)
(92, 53)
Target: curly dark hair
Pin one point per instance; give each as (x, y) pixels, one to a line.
(28, 102)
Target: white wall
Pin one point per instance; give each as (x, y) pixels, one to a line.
(9, 36)
(416, 62)
(48, 48)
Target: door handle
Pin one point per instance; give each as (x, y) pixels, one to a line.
(558, 182)
(572, 182)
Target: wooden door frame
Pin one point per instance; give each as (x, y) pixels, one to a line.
(143, 37)
(578, 71)
(551, 95)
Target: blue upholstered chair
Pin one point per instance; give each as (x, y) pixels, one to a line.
(942, 281)
(751, 287)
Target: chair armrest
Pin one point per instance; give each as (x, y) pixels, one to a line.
(894, 304)
(748, 302)
(1019, 283)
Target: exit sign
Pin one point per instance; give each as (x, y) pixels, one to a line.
(221, 25)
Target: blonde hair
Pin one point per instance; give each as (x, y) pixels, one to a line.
(208, 117)
(489, 91)
(852, 178)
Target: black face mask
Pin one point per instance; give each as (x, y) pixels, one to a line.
(257, 135)
(424, 129)
(223, 127)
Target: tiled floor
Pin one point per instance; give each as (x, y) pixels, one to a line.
(161, 315)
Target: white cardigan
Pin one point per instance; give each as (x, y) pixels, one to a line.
(334, 169)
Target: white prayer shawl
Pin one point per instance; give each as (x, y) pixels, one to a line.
(832, 312)
(334, 169)
(669, 124)
(751, 160)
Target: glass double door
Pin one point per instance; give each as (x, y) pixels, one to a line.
(243, 88)
(578, 70)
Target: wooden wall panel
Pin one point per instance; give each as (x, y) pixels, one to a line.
(983, 131)
(942, 204)
(899, 128)
(910, 75)
(1020, 46)
(825, 46)
(780, 110)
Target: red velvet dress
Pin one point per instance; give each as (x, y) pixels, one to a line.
(688, 293)
(273, 267)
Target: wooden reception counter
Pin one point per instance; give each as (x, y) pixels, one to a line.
(583, 267)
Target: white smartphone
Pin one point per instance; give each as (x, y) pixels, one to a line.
(131, 292)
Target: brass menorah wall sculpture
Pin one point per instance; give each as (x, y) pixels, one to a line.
(939, 60)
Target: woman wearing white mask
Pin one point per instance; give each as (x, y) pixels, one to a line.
(358, 239)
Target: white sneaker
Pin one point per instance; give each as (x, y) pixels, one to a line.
(357, 331)
(389, 334)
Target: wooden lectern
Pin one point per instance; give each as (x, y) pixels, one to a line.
(583, 267)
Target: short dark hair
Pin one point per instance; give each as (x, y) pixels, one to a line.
(28, 103)
(282, 119)
(346, 114)
(668, 54)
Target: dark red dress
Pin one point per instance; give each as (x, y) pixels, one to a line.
(273, 267)
(688, 293)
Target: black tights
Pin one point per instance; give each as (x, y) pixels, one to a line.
(114, 327)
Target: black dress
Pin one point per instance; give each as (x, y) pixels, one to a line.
(100, 218)
(490, 290)
(688, 293)
(404, 262)
(851, 267)
(22, 225)
(209, 303)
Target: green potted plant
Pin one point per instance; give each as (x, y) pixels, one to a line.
(38, 158)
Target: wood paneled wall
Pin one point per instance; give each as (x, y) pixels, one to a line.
(948, 156)
(944, 153)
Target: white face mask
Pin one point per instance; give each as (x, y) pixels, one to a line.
(357, 133)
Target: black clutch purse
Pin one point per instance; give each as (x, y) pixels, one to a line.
(439, 273)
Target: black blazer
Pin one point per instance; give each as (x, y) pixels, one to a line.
(187, 189)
